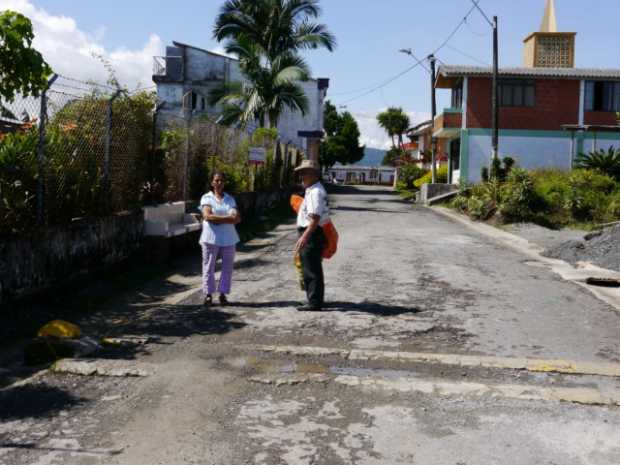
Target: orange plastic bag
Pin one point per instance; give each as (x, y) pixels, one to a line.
(332, 240)
(331, 235)
(296, 201)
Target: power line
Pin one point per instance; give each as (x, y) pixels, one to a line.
(456, 29)
(465, 54)
(418, 62)
(475, 2)
(476, 33)
(389, 81)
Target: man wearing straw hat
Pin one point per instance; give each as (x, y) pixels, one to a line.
(312, 215)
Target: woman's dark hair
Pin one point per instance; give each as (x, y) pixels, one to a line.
(218, 173)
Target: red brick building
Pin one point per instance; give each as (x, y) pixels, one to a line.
(538, 102)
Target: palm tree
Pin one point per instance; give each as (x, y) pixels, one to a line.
(268, 89)
(267, 35)
(276, 26)
(395, 122)
(607, 162)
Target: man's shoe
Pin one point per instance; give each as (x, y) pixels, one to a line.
(309, 308)
(208, 300)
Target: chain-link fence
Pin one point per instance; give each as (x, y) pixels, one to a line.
(193, 148)
(87, 149)
(79, 150)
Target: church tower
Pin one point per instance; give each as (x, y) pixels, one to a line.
(549, 48)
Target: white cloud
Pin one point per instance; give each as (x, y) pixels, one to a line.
(69, 50)
(374, 136)
(221, 51)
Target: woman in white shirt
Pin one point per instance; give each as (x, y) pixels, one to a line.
(219, 238)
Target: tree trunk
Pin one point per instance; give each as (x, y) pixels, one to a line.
(273, 120)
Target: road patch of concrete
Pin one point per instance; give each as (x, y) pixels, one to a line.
(576, 395)
(112, 368)
(528, 364)
(290, 380)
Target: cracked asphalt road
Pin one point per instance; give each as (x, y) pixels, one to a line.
(404, 280)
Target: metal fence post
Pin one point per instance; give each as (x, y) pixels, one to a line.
(41, 151)
(108, 139)
(188, 133)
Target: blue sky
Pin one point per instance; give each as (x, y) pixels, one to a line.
(369, 32)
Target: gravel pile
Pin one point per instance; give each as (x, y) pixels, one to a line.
(600, 248)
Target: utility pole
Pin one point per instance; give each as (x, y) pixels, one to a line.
(495, 137)
(432, 60)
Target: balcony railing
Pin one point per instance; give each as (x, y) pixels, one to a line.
(448, 123)
(162, 65)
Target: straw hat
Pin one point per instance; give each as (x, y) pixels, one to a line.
(308, 165)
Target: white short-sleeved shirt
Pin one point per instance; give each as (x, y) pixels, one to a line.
(315, 203)
(222, 235)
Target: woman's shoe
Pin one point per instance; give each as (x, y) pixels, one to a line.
(208, 300)
(223, 300)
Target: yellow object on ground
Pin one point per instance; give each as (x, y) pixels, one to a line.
(300, 272)
(60, 328)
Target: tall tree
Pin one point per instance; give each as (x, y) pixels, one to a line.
(22, 68)
(268, 89)
(342, 138)
(276, 26)
(395, 122)
(267, 35)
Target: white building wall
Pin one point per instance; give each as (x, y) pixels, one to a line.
(205, 71)
(291, 122)
(592, 143)
(528, 152)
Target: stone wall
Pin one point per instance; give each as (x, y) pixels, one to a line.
(257, 203)
(56, 256)
(32, 264)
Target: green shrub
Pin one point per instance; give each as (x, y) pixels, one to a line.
(484, 173)
(500, 169)
(588, 195)
(407, 175)
(605, 161)
(18, 181)
(460, 202)
(549, 197)
(479, 209)
(613, 208)
(442, 177)
(519, 201)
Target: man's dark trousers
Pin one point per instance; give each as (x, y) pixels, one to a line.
(312, 266)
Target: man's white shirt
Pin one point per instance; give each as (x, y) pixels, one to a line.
(315, 203)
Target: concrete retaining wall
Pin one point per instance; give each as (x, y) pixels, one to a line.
(430, 191)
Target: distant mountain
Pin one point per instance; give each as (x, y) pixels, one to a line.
(372, 157)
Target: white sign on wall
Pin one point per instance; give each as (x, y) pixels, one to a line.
(258, 154)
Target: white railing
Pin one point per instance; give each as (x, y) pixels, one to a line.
(160, 64)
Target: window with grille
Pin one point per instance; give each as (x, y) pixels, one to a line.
(602, 96)
(517, 93)
(457, 97)
(554, 51)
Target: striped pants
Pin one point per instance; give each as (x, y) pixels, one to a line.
(210, 254)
